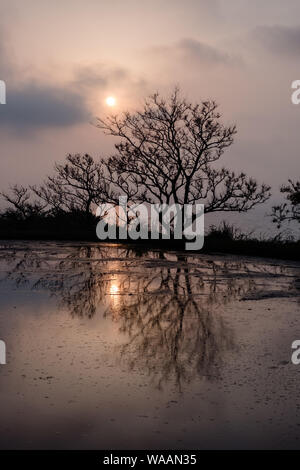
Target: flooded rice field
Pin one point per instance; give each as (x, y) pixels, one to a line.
(110, 347)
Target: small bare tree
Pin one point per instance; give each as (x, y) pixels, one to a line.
(290, 210)
(76, 185)
(19, 197)
(167, 154)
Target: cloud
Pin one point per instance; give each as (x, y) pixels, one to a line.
(191, 51)
(94, 79)
(278, 39)
(5, 58)
(195, 50)
(99, 75)
(34, 105)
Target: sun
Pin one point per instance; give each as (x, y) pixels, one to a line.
(110, 101)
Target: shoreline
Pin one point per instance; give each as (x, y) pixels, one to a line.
(289, 250)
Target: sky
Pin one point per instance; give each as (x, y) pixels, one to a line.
(60, 60)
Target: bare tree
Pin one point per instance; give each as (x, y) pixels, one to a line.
(290, 210)
(167, 153)
(76, 185)
(19, 197)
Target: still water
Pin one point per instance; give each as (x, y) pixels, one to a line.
(117, 348)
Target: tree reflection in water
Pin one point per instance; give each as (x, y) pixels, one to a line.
(168, 306)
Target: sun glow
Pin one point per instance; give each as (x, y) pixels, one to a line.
(110, 101)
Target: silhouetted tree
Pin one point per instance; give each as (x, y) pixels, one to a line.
(167, 154)
(19, 197)
(289, 210)
(76, 185)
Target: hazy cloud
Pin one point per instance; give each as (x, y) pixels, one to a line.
(99, 76)
(5, 58)
(35, 106)
(278, 39)
(191, 51)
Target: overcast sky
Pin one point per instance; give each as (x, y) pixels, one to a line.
(60, 59)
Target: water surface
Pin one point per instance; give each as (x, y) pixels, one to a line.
(110, 347)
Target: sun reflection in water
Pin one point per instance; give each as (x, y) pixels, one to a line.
(114, 288)
(114, 293)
